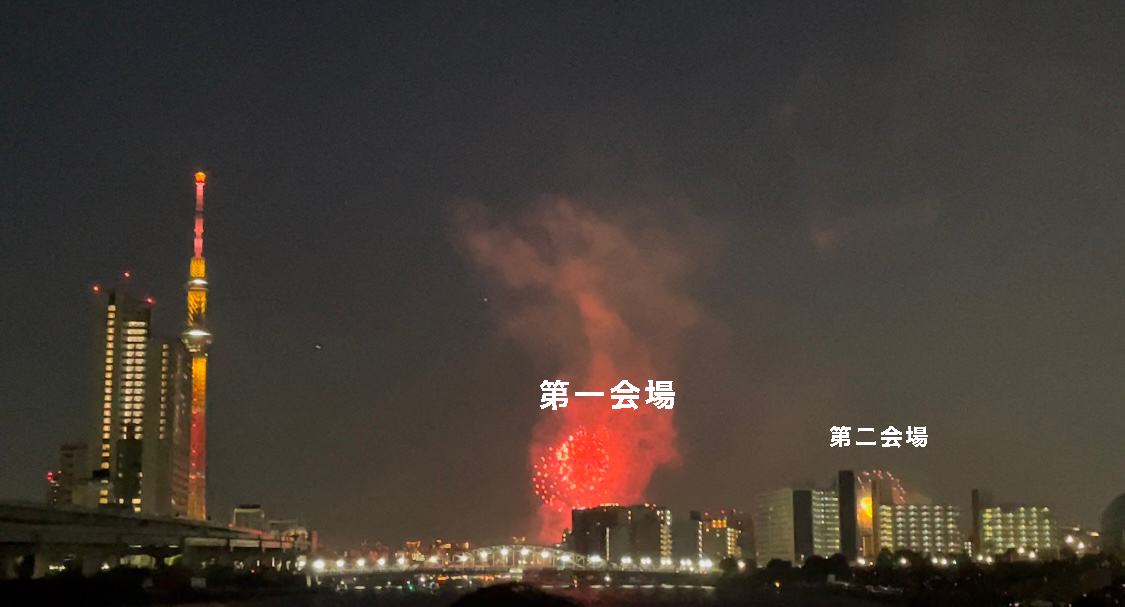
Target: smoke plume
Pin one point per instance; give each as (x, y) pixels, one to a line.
(593, 299)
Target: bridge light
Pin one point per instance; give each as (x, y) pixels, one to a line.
(340, 563)
(666, 561)
(627, 560)
(382, 561)
(705, 563)
(503, 552)
(483, 554)
(595, 558)
(361, 562)
(546, 554)
(318, 564)
(741, 565)
(433, 559)
(462, 557)
(401, 561)
(565, 558)
(524, 552)
(646, 561)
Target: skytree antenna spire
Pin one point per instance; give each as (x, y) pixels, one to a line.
(197, 339)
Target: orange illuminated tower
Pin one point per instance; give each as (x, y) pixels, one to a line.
(198, 341)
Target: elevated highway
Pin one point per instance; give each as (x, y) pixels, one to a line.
(35, 539)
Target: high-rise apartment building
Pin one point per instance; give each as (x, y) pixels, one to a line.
(922, 528)
(687, 538)
(1008, 526)
(794, 524)
(613, 532)
(138, 449)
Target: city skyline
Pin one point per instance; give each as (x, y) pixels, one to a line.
(833, 218)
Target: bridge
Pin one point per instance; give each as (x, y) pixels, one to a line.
(36, 539)
(543, 565)
(506, 557)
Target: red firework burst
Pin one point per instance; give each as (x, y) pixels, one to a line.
(571, 474)
(898, 492)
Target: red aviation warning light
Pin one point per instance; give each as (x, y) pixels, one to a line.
(201, 177)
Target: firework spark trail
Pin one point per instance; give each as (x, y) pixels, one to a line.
(597, 302)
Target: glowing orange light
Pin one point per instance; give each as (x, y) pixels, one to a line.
(200, 177)
(866, 507)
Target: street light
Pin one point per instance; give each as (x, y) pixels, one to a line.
(318, 564)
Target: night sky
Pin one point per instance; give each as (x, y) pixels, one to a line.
(887, 215)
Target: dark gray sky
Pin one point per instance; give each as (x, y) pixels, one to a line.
(912, 216)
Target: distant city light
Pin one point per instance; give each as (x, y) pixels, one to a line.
(361, 562)
(340, 563)
(318, 564)
(504, 552)
(544, 554)
(381, 561)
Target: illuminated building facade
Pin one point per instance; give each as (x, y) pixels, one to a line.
(1016, 527)
(794, 524)
(197, 340)
(138, 460)
(720, 537)
(922, 528)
